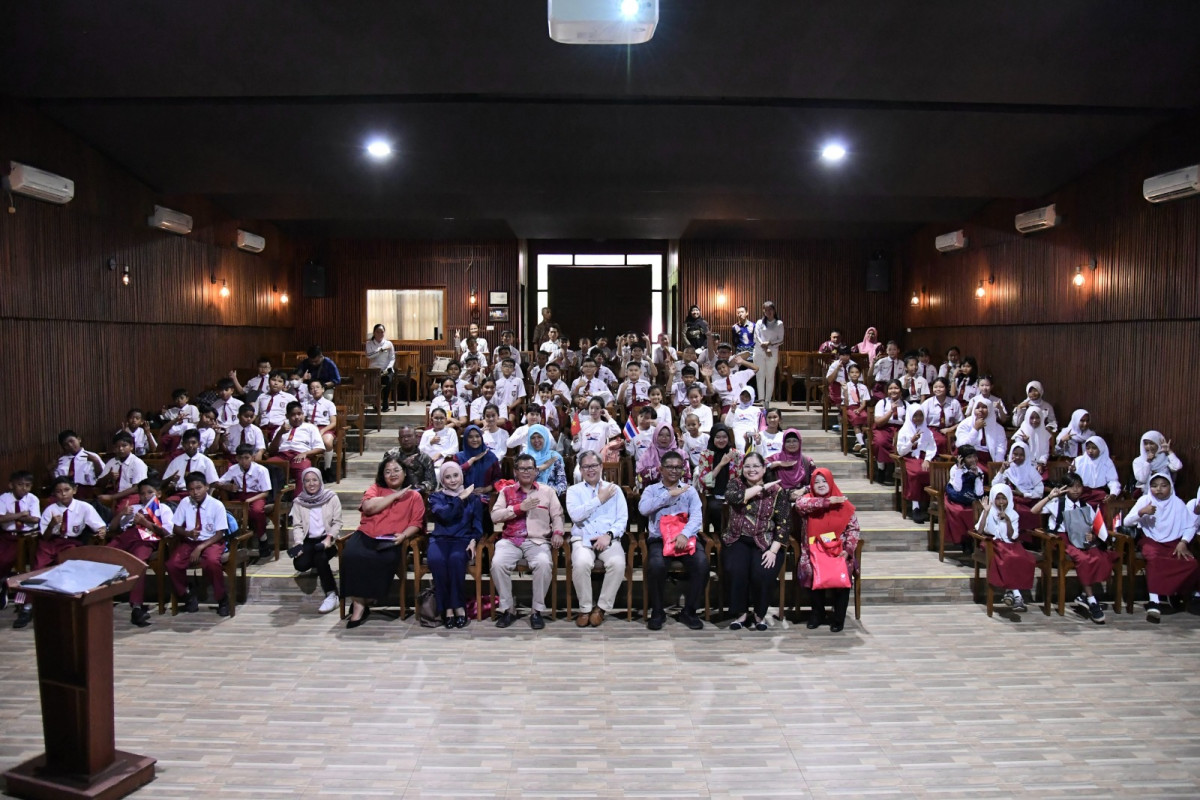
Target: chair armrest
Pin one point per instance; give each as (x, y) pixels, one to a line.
(933, 493)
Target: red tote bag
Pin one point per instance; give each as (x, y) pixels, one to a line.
(829, 567)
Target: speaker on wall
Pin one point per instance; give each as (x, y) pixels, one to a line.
(313, 280)
(878, 274)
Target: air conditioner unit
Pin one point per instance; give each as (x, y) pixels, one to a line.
(949, 242)
(39, 184)
(602, 21)
(1172, 185)
(250, 242)
(1037, 220)
(169, 220)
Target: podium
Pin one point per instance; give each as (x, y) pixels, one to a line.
(73, 635)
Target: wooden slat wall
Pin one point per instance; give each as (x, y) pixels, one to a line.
(339, 321)
(83, 348)
(1124, 344)
(816, 285)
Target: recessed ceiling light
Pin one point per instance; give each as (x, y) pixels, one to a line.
(378, 148)
(833, 152)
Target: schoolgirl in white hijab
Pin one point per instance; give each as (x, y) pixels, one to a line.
(1078, 431)
(1035, 437)
(1099, 473)
(1003, 525)
(1156, 456)
(989, 438)
(1024, 478)
(1168, 527)
(1034, 399)
(1012, 566)
(915, 443)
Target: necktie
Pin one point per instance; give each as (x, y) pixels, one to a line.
(983, 437)
(891, 369)
(188, 471)
(244, 489)
(292, 434)
(729, 384)
(270, 403)
(198, 522)
(243, 436)
(71, 469)
(313, 417)
(120, 467)
(66, 526)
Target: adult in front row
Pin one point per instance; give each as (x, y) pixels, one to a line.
(457, 528)
(316, 525)
(674, 513)
(830, 523)
(599, 516)
(392, 511)
(759, 524)
(533, 522)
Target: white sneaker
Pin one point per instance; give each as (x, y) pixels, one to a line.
(329, 603)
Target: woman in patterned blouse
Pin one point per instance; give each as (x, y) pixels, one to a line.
(759, 523)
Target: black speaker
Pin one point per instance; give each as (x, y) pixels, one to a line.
(878, 275)
(313, 280)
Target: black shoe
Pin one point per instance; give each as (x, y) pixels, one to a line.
(354, 623)
(761, 625)
(691, 620)
(655, 622)
(265, 551)
(835, 627)
(505, 619)
(815, 619)
(737, 625)
(1193, 606)
(140, 617)
(223, 607)
(190, 604)
(1096, 614)
(460, 621)
(1153, 613)
(447, 621)
(536, 622)
(920, 516)
(24, 617)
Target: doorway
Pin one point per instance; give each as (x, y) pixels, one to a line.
(601, 294)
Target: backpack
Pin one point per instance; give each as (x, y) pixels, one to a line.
(1078, 524)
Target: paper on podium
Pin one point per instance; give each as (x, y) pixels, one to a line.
(76, 577)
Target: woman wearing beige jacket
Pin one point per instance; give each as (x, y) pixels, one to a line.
(316, 525)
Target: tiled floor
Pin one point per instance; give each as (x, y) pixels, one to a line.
(918, 700)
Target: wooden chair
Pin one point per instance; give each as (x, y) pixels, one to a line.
(278, 509)
(794, 550)
(236, 557)
(1057, 468)
(899, 485)
(368, 382)
(939, 475)
(354, 414)
(1056, 549)
(156, 562)
(795, 371)
(401, 573)
(629, 547)
(982, 558)
(419, 550)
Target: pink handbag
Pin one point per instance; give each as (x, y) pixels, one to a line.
(670, 526)
(829, 567)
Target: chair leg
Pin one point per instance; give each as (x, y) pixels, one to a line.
(1062, 584)
(857, 596)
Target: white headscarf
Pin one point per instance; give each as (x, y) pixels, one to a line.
(1041, 404)
(1099, 472)
(1073, 435)
(747, 389)
(1159, 464)
(1024, 477)
(926, 444)
(996, 438)
(1171, 519)
(1037, 447)
(994, 525)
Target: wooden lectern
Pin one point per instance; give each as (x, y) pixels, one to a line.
(74, 639)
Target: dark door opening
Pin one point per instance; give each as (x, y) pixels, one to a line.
(600, 301)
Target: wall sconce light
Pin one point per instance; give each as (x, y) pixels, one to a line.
(283, 298)
(1078, 279)
(224, 288)
(916, 298)
(721, 294)
(112, 266)
(980, 292)
(474, 297)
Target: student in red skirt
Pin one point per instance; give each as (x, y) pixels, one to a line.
(982, 432)
(1166, 528)
(1097, 471)
(1012, 566)
(1074, 521)
(1156, 456)
(964, 485)
(1036, 439)
(915, 444)
(889, 416)
(855, 397)
(942, 413)
(1023, 478)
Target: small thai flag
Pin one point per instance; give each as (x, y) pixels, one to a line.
(630, 430)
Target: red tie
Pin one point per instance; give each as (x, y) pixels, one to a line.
(120, 467)
(243, 435)
(270, 403)
(313, 417)
(66, 526)
(729, 384)
(188, 471)
(292, 434)
(983, 437)
(892, 369)
(71, 469)
(198, 523)
(244, 489)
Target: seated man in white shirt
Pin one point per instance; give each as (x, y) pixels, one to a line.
(599, 515)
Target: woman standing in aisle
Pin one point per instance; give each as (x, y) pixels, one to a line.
(768, 338)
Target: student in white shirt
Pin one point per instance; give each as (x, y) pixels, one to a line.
(856, 399)
(190, 461)
(925, 367)
(472, 333)
(664, 356)
(1167, 528)
(507, 339)
(519, 437)
(634, 391)
(949, 370)
(1072, 520)
(63, 525)
(296, 443)
(662, 411)
(558, 389)
(81, 466)
(487, 395)
(248, 482)
(1034, 398)
(124, 471)
(985, 392)
(915, 387)
(439, 442)
(1072, 438)
(942, 413)
(245, 432)
(495, 438)
(589, 384)
(320, 411)
(1012, 566)
(679, 390)
(915, 445)
(226, 405)
(695, 405)
(604, 373)
(137, 530)
(1156, 457)
(887, 368)
(209, 438)
(272, 406)
(640, 443)
(137, 427)
(179, 417)
(837, 375)
(200, 529)
(769, 442)
(256, 385)
(457, 410)
(694, 441)
(727, 384)
(510, 389)
(596, 427)
(745, 419)
(981, 430)
(468, 382)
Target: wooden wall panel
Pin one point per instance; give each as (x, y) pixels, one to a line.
(339, 321)
(1124, 344)
(83, 348)
(816, 285)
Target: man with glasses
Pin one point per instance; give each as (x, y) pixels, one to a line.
(533, 521)
(599, 515)
(675, 505)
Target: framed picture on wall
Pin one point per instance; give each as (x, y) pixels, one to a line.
(497, 314)
(497, 299)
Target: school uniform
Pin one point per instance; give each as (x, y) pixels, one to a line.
(455, 408)
(594, 435)
(465, 388)
(182, 419)
(209, 519)
(886, 369)
(940, 415)
(298, 389)
(990, 441)
(259, 384)
(1093, 562)
(963, 488)
(509, 392)
(883, 437)
(319, 412)
(272, 411)
(141, 442)
(1171, 522)
(1099, 475)
(77, 518)
(183, 465)
(80, 468)
(301, 439)
(744, 423)
(250, 482)
(608, 376)
(854, 394)
(208, 439)
(640, 443)
(127, 475)
(694, 447)
(927, 371)
(594, 387)
(662, 415)
(446, 446)
(237, 436)
(679, 391)
(916, 455)
(729, 387)
(702, 412)
(142, 542)
(11, 532)
(227, 412)
(916, 387)
(1012, 566)
(1027, 489)
(497, 442)
(481, 402)
(835, 377)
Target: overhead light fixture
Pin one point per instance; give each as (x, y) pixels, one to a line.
(833, 152)
(112, 266)
(629, 8)
(602, 21)
(980, 291)
(379, 149)
(283, 296)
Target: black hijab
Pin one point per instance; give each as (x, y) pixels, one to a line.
(695, 329)
(722, 478)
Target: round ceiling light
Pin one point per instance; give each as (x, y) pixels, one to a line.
(833, 152)
(378, 148)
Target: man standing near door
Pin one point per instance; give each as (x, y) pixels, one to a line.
(542, 332)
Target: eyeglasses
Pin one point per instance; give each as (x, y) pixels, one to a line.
(526, 469)
(590, 466)
(666, 467)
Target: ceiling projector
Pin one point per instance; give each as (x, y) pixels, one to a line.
(602, 21)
